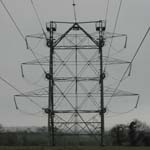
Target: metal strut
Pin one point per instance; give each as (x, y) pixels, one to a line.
(101, 82)
(51, 84)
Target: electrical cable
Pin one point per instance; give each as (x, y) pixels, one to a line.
(23, 37)
(35, 114)
(107, 9)
(35, 82)
(116, 21)
(13, 87)
(33, 53)
(115, 50)
(38, 17)
(37, 44)
(74, 9)
(12, 19)
(20, 32)
(140, 45)
(129, 66)
(119, 114)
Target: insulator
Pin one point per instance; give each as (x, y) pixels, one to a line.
(130, 69)
(103, 28)
(97, 28)
(16, 103)
(27, 46)
(54, 29)
(22, 73)
(126, 40)
(137, 102)
(100, 26)
(48, 29)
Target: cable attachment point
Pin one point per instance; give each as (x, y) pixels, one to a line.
(101, 41)
(48, 111)
(47, 76)
(76, 27)
(126, 40)
(102, 77)
(74, 4)
(103, 111)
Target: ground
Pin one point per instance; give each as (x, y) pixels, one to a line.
(72, 148)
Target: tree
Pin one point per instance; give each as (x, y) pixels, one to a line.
(42, 129)
(132, 133)
(119, 135)
(139, 133)
(1, 128)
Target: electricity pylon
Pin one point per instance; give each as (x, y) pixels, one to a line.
(76, 91)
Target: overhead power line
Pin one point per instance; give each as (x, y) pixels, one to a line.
(16, 89)
(38, 17)
(129, 65)
(74, 9)
(33, 53)
(20, 32)
(115, 26)
(140, 44)
(117, 114)
(23, 37)
(107, 9)
(12, 19)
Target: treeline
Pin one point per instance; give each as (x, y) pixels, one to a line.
(136, 133)
(22, 139)
(26, 137)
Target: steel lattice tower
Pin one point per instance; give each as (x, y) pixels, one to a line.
(76, 77)
(74, 100)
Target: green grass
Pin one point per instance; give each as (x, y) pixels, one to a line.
(72, 148)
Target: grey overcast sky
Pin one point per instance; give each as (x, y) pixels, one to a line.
(134, 20)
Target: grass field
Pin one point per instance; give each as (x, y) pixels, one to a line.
(72, 148)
